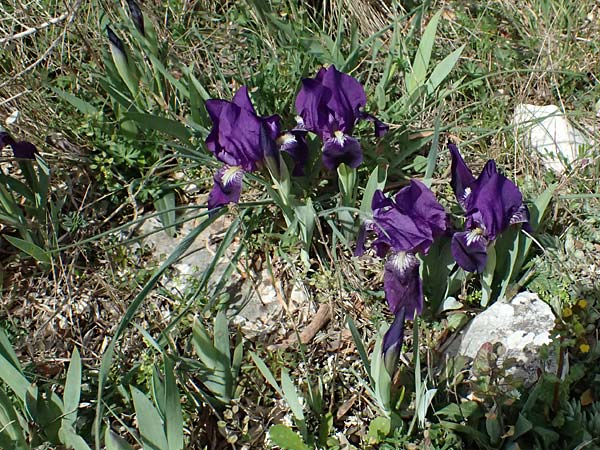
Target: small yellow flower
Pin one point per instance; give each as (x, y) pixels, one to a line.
(582, 303)
(584, 348)
(567, 312)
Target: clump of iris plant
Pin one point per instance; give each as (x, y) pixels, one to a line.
(244, 142)
(330, 105)
(491, 203)
(21, 149)
(406, 225)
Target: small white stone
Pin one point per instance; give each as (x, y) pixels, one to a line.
(546, 130)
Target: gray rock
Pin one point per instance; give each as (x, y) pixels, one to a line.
(257, 301)
(522, 326)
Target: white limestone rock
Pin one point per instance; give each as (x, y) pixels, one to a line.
(546, 130)
(522, 326)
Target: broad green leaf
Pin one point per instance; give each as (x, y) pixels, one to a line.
(376, 181)
(165, 206)
(173, 414)
(10, 426)
(162, 124)
(13, 378)
(383, 381)
(71, 439)
(266, 372)
(6, 350)
(421, 62)
(433, 153)
(46, 410)
(443, 69)
(347, 182)
(149, 422)
(124, 70)
(30, 248)
(19, 187)
(379, 429)
(115, 442)
(83, 106)
(72, 389)
(522, 426)
(291, 395)
(221, 335)
(217, 376)
(285, 438)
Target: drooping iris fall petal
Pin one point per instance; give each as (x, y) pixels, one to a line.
(402, 284)
(341, 149)
(469, 250)
(227, 187)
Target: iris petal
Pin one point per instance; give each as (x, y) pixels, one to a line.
(22, 149)
(294, 143)
(410, 222)
(496, 198)
(462, 177)
(402, 284)
(227, 188)
(469, 250)
(339, 149)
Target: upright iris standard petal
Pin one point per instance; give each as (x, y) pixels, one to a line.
(22, 149)
(496, 198)
(341, 149)
(402, 284)
(346, 100)
(392, 342)
(330, 105)
(469, 250)
(227, 188)
(462, 177)
(238, 136)
(311, 104)
(242, 99)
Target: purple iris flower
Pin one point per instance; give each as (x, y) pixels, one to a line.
(22, 149)
(405, 226)
(242, 140)
(491, 203)
(330, 105)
